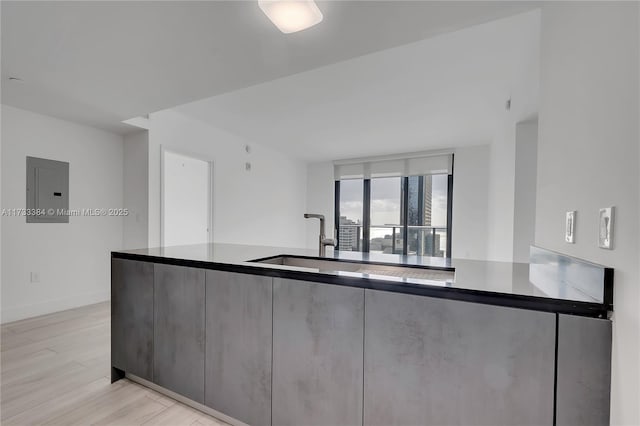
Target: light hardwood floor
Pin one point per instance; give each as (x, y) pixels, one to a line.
(55, 370)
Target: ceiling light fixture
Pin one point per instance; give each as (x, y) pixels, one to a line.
(291, 16)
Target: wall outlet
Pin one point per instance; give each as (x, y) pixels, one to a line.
(35, 277)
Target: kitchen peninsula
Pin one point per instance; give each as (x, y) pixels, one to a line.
(265, 335)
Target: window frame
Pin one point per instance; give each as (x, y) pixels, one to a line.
(366, 213)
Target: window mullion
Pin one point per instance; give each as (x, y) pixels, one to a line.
(450, 207)
(336, 213)
(449, 214)
(405, 215)
(366, 214)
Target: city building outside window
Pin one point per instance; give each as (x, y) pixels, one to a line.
(406, 215)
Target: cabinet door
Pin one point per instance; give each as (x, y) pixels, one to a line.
(238, 349)
(179, 330)
(317, 353)
(444, 362)
(132, 317)
(584, 371)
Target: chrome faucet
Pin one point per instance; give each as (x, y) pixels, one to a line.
(323, 241)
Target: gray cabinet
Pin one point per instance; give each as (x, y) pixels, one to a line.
(444, 362)
(317, 354)
(179, 336)
(132, 317)
(238, 346)
(285, 352)
(584, 371)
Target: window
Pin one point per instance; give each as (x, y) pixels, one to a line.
(386, 224)
(427, 216)
(401, 214)
(350, 206)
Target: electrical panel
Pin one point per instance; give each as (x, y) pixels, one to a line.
(47, 191)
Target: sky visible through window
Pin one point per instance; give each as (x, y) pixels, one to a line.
(385, 201)
(351, 199)
(386, 194)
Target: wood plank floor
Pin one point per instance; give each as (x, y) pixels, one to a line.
(55, 370)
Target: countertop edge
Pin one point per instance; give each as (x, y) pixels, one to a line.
(544, 304)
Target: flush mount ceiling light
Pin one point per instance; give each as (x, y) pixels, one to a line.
(291, 16)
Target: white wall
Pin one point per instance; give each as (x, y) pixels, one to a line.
(501, 194)
(511, 171)
(588, 159)
(470, 202)
(320, 199)
(136, 183)
(72, 259)
(263, 206)
(524, 214)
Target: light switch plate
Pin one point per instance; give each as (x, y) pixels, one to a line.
(570, 226)
(605, 228)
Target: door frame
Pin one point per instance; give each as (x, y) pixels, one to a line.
(164, 149)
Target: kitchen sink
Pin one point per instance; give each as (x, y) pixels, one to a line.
(326, 265)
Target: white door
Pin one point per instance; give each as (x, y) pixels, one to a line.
(186, 200)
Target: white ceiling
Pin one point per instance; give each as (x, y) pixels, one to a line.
(99, 63)
(446, 91)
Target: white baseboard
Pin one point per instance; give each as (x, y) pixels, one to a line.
(15, 313)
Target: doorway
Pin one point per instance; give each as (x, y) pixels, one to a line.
(186, 199)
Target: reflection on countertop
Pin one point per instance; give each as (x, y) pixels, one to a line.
(564, 283)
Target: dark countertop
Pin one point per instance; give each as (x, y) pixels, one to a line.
(497, 283)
